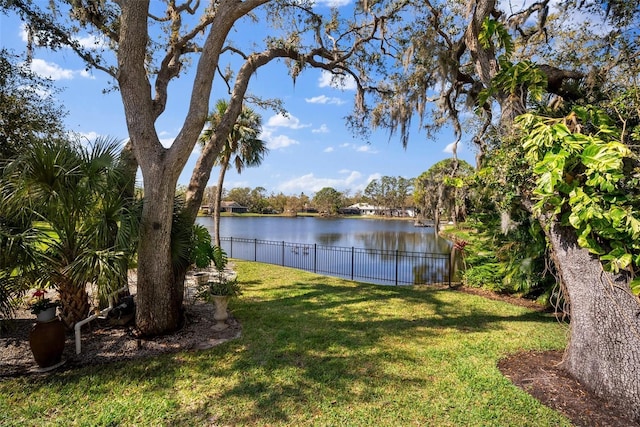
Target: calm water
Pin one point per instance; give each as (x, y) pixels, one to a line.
(345, 232)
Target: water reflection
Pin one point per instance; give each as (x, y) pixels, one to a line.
(329, 239)
(378, 251)
(363, 233)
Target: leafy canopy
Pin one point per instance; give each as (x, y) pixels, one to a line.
(587, 176)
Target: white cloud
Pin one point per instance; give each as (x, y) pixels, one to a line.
(333, 3)
(449, 148)
(91, 136)
(50, 70)
(373, 177)
(312, 183)
(92, 42)
(275, 142)
(337, 82)
(328, 150)
(53, 71)
(287, 121)
(322, 129)
(281, 141)
(359, 148)
(366, 149)
(37, 90)
(87, 41)
(323, 99)
(87, 75)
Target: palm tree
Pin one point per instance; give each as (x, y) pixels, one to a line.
(82, 228)
(242, 148)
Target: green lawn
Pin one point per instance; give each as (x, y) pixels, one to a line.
(315, 351)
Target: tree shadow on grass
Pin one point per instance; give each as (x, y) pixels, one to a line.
(338, 339)
(307, 344)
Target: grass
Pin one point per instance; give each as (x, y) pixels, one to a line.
(315, 351)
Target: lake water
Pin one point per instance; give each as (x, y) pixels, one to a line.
(371, 250)
(379, 234)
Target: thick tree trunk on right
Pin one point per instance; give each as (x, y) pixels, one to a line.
(604, 346)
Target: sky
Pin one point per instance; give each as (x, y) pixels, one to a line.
(309, 149)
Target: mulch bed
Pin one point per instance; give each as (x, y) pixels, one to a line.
(539, 374)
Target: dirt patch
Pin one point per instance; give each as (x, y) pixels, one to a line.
(539, 374)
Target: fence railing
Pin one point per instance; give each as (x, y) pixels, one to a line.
(386, 267)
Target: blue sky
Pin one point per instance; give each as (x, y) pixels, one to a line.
(310, 149)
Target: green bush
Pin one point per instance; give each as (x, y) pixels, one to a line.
(486, 276)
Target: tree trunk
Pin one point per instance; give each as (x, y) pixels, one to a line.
(218, 203)
(75, 303)
(159, 300)
(604, 346)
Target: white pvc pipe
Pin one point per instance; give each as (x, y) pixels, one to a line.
(102, 315)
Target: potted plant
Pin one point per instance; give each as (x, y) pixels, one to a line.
(220, 288)
(42, 307)
(47, 337)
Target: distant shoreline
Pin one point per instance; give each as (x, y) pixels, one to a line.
(311, 215)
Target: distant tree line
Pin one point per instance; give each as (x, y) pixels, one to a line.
(257, 200)
(390, 194)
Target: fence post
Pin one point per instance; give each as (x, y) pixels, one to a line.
(452, 257)
(352, 261)
(396, 267)
(315, 257)
(255, 250)
(231, 247)
(283, 253)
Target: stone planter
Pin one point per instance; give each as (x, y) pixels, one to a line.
(201, 278)
(220, 315)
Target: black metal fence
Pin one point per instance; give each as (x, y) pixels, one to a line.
(370, 265)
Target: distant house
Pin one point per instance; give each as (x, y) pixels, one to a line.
(367, 209)
(233, 207)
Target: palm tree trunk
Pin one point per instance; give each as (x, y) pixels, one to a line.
(224, 163)
(75, 303)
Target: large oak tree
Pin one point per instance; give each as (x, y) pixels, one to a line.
(501, 60)
(153, 44)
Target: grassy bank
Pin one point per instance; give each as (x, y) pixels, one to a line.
(315, 351)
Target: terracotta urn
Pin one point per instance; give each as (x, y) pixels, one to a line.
(46, 340)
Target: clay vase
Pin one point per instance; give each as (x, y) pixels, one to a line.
(220, 315)
(47, 342)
